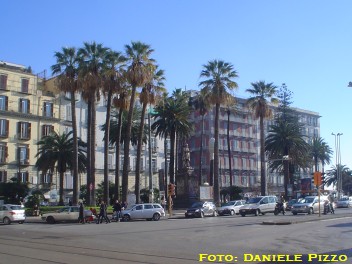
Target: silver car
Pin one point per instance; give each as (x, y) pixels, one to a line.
(343, 203)
(231, 208)
(10, 213)
(65, 214)
(149, 211)
(309, 205)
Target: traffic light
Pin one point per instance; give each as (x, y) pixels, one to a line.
(171, 189)
(317, 178)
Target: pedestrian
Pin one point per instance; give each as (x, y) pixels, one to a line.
(117, 210)
(81, 218)
(102, 214)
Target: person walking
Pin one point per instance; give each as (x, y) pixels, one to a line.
(102, 214)
(81, 218)
(117, 210)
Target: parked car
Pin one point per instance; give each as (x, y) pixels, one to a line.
(12, 213)
(309, 205)
(149, 211)
(231, 208)
(343, 203)
(290, 203)
(201, 209)
(259, 205)
(65, 214)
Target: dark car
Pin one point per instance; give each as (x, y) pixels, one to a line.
(290, 203)
(201, 209)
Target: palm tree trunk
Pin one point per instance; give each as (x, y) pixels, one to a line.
(262, 158)
(229, 146)
(216, 156)
(126, 149)
(165, 164)
(117, 157)
(172, 156)
(93, 140)
(61, 191)
(75, 149)
(139, 151)
(201, 153)
(106, 148)
(89, 135)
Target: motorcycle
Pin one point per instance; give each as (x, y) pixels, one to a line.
(328, 208)
(279, 207)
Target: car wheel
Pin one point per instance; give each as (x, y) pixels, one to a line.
(243, 215)
(156, 217)
(257, 212)
(232, 212)
(20, 222)
(294, 213)
(7, 221)
(310, 211)
(126, 217)
(50, 220)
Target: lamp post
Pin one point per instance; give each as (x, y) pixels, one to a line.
(338, 163)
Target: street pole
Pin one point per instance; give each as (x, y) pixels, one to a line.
(338, 163)
(150, 159)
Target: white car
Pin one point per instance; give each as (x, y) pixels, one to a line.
(10, 213)
(259, 205)
(65, 214)
(231, 208)
(149, 211)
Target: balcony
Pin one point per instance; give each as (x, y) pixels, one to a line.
(24, 162)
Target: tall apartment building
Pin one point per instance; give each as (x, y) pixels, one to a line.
(28, 111)
(244, 132)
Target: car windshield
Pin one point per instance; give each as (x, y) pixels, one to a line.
(16, 207)
(65, 209)
(197, 205)
(254, 200)
(229, 203)
(293, 201)
(307, 200)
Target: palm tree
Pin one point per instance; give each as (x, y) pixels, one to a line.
(139, 71)
(57, 151)
(219, 77)
(320, 152)
(171, 117)
(112, 83)
(286, 139)
(67, 69)
(151, 92)
(263, 93)
(345, 172)
(91, 62)
(201, 104)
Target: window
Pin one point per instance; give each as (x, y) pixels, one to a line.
(23, 155)
(153, 145)
(3, 103)
(110, 166)
(24, 130)
(3, 153)
(139, 207)
(24, 85)
(148, 206)
(47, 130)
(48, 109)
(24, 106)
(46, 178)
(3, 82)
(4, 128)
(23, 176)
(3, 176)
(68, 113)
(154, 165)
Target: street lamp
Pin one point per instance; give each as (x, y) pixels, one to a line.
(338, 162)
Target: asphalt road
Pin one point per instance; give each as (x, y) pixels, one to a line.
(178, 240)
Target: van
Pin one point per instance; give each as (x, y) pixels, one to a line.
(259, 205)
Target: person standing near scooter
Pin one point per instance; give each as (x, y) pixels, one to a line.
(117, 210)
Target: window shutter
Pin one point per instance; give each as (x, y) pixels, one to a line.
(29, 130)
(51, 129)
(6, 152)
(51, 110)
(20, 106)
(42, 178)
(7, 128)
(27, 153)
(44, 109)
(43, 130)
(6, 103)
(19, 176)
(29, 107)
(5, 176)
(19, 129)
(27, 176)
(25, 83)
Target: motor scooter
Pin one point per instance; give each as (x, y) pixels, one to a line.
(279, 207)
(328, 208)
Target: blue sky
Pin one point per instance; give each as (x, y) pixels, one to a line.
(305, 44)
